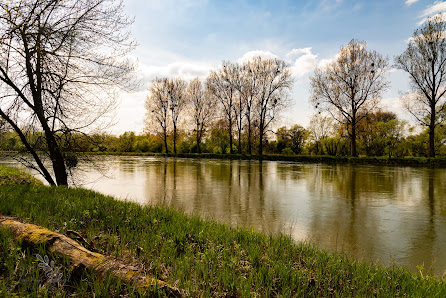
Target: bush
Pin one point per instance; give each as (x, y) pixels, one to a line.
(287, 151)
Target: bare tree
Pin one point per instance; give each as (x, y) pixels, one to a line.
(350, 87)
(274, 83)
(218, 84)
(165, 103)
(247, 84)
(320, 127)
(157, 107)
(176, 89)
(60, 64)
(203, 109)
(425, 62)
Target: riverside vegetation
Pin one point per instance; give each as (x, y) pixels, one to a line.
(201, 257)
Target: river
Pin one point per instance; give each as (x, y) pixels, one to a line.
(385, 214)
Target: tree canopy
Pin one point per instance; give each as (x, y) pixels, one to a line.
(60, 65)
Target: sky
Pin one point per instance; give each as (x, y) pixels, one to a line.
(188, 38)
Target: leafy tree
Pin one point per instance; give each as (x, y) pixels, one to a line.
(126, 142)
(292, 139)
(425, 62)
(369, 135)
(60, 65)
(350, 87)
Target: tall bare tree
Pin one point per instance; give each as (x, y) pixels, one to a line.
(350, 87)
(176, 89)
(60, 63)
(219, 84)
(202, 108)
(274, 83)
(425, 62)
(165, 103)
(248, 86)
(157, 107)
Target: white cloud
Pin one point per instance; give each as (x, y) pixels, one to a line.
(410, 2)
(251, 54)
(305, 63)
(185, 70)
(436, 8)
(299, 51)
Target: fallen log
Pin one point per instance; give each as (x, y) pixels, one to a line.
(82, 258)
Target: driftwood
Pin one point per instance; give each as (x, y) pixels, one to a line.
(82, 258)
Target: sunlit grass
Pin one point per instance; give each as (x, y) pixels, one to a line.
(15, 176)
(202, 257)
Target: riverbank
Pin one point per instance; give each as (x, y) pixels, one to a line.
(201, 257)
(362, 160)
(397, 161)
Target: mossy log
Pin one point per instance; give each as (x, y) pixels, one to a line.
(82, 258)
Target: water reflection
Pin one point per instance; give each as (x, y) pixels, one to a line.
(389, 214)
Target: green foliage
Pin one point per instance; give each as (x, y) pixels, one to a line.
(293, 138)
(126, 142)
(287, 151)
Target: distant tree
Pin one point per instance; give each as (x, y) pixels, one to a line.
(60, 65)
(248, 83)
(292, 139)
(202, 107)
(369, 134)
(425, 62)
(320, 128)
(219, 85)
(350, 87)
(298, 136)
(126, 141)
(177, 103)
(166, 102)
(275, 82)
(283, 139)
(157, 109)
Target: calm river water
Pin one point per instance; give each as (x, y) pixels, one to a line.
(382, 214)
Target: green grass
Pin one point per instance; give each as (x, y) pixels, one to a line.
(201, 257)
(14, 176)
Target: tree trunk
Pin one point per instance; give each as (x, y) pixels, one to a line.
(80, 257)
(353, 140)
(198, 143)
(199, 134)
(432, 133)
(165, 143)
(174, 139)
(230, 137)
(240, 141)
(261, 139)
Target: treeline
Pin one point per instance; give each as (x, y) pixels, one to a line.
(233, 109)
(380, 134)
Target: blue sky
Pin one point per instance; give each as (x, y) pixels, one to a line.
(187, 38)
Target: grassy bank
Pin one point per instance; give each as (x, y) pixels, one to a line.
(201, 257)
